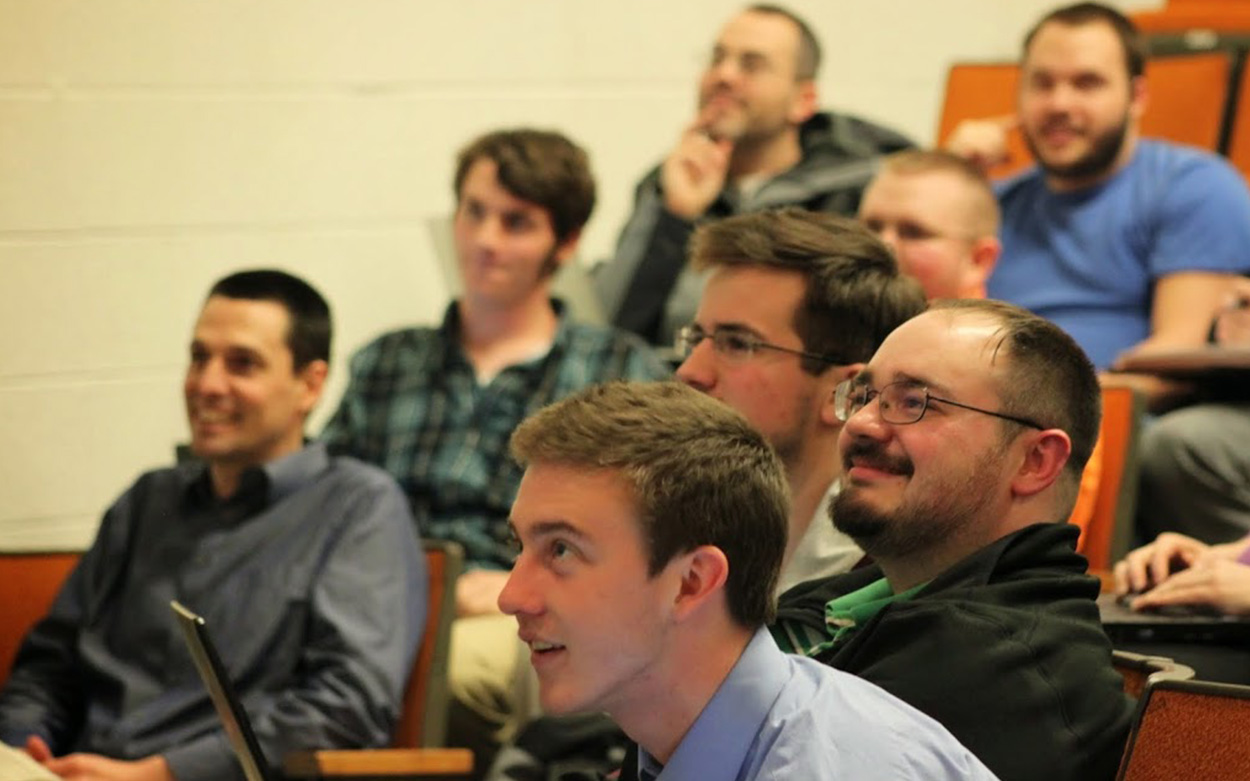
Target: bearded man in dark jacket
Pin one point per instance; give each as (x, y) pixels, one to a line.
(962, 448)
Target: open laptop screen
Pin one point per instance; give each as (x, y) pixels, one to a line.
(229, 709)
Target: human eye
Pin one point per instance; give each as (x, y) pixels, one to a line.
(1039, 81)
(753, 63)
(876, 226)
(718, 56)
(517, 222)
(561, 554)
(910, 231)
(1088, 81)
(688, 338)
(199, 356)
(242, 363)
(859, 394)
(909, 400)
(472, 209)
(735, 344)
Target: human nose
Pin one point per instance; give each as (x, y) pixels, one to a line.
(724, 70)
(208, 377)
(1060, 97)
(866, 421)
(518, 595)
(487, 234)
(889, 236)
(698, 370)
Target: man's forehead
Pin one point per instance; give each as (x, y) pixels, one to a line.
(942, 346)
(1083, 46)
(756, 297)
(760, 32)
(257, 324)
(917, 190)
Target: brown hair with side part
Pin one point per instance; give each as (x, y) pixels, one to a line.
(855, 295)
(539, 166)
(700, 476)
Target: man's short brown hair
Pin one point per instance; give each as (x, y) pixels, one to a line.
(1081, 14)
(807, 63)
(855, 295)
(985, 213)
(539, 166)
(700, 475)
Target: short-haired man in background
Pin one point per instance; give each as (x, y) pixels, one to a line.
(306, 565)
(936, 211)
(795, 303)
(962, 450)
(435, 406)
(652, 524)
(756, 142)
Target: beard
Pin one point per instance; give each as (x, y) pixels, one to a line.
(917, 524)
(1103, 152)
(741, 122)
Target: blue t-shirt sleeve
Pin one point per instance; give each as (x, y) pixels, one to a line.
(1203, 222)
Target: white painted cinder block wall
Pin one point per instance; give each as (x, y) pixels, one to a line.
(149, 146)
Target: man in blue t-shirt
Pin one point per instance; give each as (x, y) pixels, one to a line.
(1122, 241)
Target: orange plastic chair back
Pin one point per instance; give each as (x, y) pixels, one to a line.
(28, 584)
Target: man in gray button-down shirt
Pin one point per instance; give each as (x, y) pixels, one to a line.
(307, 567)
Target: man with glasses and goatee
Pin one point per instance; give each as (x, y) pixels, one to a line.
(962, 448)
(796, 302)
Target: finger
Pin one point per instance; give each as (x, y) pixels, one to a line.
(1160, 566)
(1185, 581)
(1120, 573)
(63, 766)
(1135, 565)
(38, 749)
(1185, 594)
(1005, 121)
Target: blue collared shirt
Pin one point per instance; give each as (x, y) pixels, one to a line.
(778, 716)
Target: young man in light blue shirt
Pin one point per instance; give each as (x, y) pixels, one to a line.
(652, 523)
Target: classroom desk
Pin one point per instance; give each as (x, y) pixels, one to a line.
(1207, 362)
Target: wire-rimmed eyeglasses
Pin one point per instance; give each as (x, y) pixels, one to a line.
(902, 403)
(734, 344)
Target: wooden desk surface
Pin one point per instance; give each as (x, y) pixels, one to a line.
(1190, 362)
(416, 763)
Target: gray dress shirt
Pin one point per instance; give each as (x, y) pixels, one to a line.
(314, 586)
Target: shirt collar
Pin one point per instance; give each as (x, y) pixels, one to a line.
(717, 743)
(266, 484)
(450, 325)
(848, 612)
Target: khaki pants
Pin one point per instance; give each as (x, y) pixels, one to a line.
(493, 687)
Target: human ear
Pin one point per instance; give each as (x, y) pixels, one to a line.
(703, 574)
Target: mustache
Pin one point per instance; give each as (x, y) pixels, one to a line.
(872, 455)
(719, 92)
(1059, 123)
